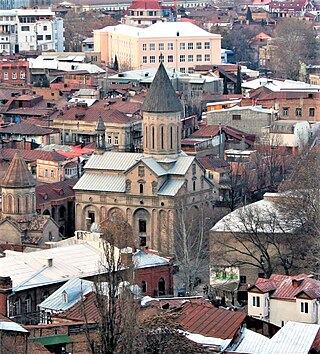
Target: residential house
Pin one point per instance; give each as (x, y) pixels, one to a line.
(14, 70)
(29, 132)
(180, 45)
(283, 298)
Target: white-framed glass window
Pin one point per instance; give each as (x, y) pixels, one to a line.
(182, 58)
(28, 303)
(206, 45)
(52, 173)
(170, 58)
(207, 57)
(304, 307)
(22, 75)
(5, 76)
(109, 141)
(152, 59)
(182, 46)
(199, 45)
(182, 70)
(199, 57)
(144, 59)
(152, 46)
(144, 46)
(14, 76)
(190, 70)
(190, 46)
(161, 46)
(116, 140)
(170, 46)
(256, 301)
(190, 57)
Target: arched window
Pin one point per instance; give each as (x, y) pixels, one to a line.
(144, 286)
(171, 137)
(17, 306)
(28, 304)
(10, 204)
(178, 138)
(161, 137)
(27, 203)
(141, 188)
(152, 137)
(146, 136)
(161, 287)
(194, 185)
(18, 204)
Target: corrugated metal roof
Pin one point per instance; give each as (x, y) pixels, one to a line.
(145, 260)
(252, 340)
(101, 183)
(77, 286)
(12, 326)
(154, 166)
(181, 166)
(171, 187)
(110, 160)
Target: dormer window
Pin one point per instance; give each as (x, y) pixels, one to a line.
(65, 297)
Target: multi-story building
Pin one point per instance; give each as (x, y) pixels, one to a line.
(180, 45)
(14, 70)
(25, 30)
(283, 298)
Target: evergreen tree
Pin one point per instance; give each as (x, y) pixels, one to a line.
(249, 15)
(115, 63)
(238, 89)
(225, 86)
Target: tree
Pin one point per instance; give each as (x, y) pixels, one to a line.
(225, 86)
(294, 44)
(238, 89)
(191, 245)
(115, 302)
(249, 15)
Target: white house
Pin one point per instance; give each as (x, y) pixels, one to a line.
(283, 298)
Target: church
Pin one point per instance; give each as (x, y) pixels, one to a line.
(19, 222)
(146, 188)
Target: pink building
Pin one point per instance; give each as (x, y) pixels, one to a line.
(181, 45)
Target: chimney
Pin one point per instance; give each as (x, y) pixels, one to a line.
(5, 290)
(126, 258)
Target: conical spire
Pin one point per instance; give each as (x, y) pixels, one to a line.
(161, 97)
(18, 175)
(100, 125)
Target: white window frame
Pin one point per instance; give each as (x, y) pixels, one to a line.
(256, 301)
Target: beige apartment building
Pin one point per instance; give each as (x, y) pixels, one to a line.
(179, 45)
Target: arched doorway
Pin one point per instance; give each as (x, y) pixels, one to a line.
(141, 226)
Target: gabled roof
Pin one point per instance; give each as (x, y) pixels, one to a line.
(161, 97)
(146, 260)
(32, 155)
(47, 193)
(26, 129)
(18, 175)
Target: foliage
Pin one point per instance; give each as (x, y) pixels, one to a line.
(238, 89)
(115, 63)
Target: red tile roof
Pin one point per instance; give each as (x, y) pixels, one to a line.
(288, 287)
(26, 129)
(210, 321)
(47, 193)
(145, 4)
(212, 162)
(32, 155)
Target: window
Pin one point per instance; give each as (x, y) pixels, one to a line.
(171, 137)
(17, 306)
(199, 57)
(5, 76)
(39, 37)
(144, 286)
(25, 28)
(52, 173)
(28, 304)
(311, 112)
(161, 46)
(194, 185)
(116, 140)
(304, 307)
(285, 111)
(46, 173)
(194, 169)
(109, 141)
(144, 46)
(22, 75)
(143, 241)
(298, 112)
(206, 45)
(144, 59)
(152, 59)
(170, 58)
(14, 76)
(142, 226)
(152, 137)
(91, 216)
(199, 45)
(182, 58)
(141, 171)
(182, 70)
(190, 46)
(243, 279)
(207, 57)
(141, 188)
(152, 46)
(236, 117)
(48, 37)
(256, 301)
(170, 46)
(182, 46)
(45, 28)
(190, 57)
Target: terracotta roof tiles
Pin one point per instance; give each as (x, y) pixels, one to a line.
(31, 155)
(26, 129)
(47, 193)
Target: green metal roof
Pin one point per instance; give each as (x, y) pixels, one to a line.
(52, 340)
